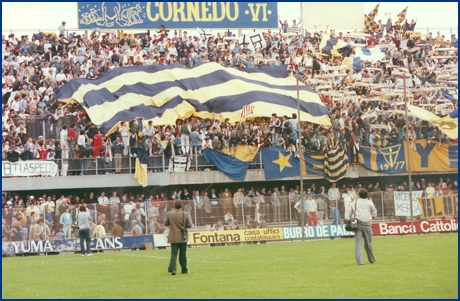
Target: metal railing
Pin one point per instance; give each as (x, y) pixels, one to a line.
(57, 219)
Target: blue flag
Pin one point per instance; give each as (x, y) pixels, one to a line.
(389, 159)
(314, 163)
(229, 165)
(279, 164)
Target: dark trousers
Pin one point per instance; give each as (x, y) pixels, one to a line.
(85, 235)
(305, 218)
(182, 248)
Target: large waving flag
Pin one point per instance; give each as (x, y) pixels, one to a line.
(370, 54)
(230, 166)
(333, 46)
(448, 125)
(165, 93)
(402, 16)
(335, 163)
(389, 159)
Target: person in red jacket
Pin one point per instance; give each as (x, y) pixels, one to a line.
(97, 144)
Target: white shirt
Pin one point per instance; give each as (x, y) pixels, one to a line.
(60, 77)
(63, 137)
(365, 211)
(103, 200)
(81, 140)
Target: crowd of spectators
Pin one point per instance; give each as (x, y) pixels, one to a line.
(35, 66)
(53, 216)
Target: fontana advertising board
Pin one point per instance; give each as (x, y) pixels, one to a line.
(177, 15)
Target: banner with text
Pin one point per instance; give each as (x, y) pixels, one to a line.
(402, 203)
(433, 226)
(72, 245)
(177, 15)
(429, 158)
(439, 206)
(316, 232)
(29, 168)
(235, 236)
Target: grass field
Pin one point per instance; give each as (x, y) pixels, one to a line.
(420, 266)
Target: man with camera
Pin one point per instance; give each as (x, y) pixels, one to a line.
(363, 210)
(178, 221)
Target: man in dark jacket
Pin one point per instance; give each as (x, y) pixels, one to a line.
(177, 221)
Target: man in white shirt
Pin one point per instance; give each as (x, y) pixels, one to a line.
(333, 195)
(365, 211)
(103, 206)
(148, 133)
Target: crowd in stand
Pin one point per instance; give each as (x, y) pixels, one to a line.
(35, 66)
(53, 216)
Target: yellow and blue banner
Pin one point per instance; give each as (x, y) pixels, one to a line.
(229, 165)
(389, 159)
(243, 152)
(279, 164)
(335, 163)
(166, 93)
(140, 173)
(177, 15)
(431, 157)
(333, 46)
(439, 206)
(448, 124)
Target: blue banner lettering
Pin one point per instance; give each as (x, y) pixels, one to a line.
(177, 15)
(72, 245)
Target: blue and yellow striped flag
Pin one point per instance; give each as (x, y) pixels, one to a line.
(333, 46)
(165, 93)
(335, 163)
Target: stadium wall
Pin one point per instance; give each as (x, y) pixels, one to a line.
(169, 179)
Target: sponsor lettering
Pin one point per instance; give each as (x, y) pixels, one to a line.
(70, 245)
(231, 236)
(316, 231)
(419, 227)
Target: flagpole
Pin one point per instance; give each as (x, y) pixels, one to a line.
(408, 149)
(299, 127)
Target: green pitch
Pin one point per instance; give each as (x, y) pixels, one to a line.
(419, 266)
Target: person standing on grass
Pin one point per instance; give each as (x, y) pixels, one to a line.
(365, 211)
(177, 220)
(83, 219)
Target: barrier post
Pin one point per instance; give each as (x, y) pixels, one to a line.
(383, 207)
(194, 209)
(129, 159)
(196, 156)
(426, 204)
(242, 210)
